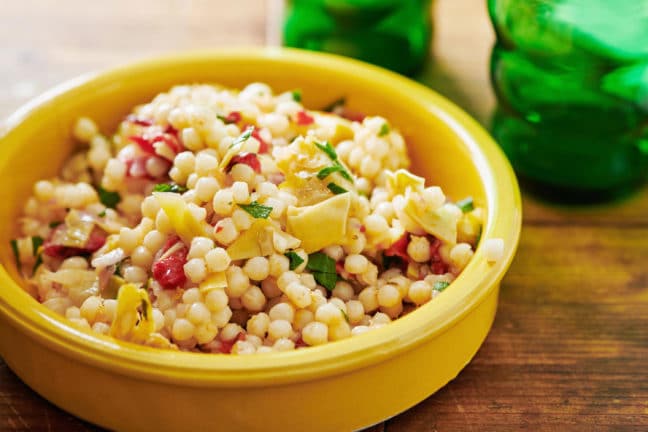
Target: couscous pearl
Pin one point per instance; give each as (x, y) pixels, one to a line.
(278, 265)
(356, 263)
(198, 313)
(230, 332)
(369, 299)
(241, 172)
(141, 257)
(225, 231)
(205, 333)
(302, 318)
(242, 219)
(258, 324)
(315, 333)
(101, 327)
(195, 270)
(460, 254)
(264, 349)
(76, 263)
(217, 260)
(199, 247)
(221, 318)
(283, 344)
(223, 202)
(206, 188)
(191, 139)
(253, 299)
(257, 268)
(216, 299)
(85, 129)
(90, 308)
(162, 223)
(134, 274)
(308, 280)
(72, 312)
(329, 314)
(182, 330)
(419, 292)
(388, 295)
(206, 164)
(278, 329)
(154, 240)
(282, 311)
(158, 319)
(240, 192)
(393, 311)
(286, 279)
(340, 330)
(254, 340)
(355, 311)
(237, 282)
(380, 318)
(419, 249)
(243, 348)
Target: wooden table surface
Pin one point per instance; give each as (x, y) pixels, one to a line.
(569, 347)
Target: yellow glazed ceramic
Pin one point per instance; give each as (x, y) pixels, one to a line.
(339, 386)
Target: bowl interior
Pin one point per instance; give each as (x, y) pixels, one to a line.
(445, 145)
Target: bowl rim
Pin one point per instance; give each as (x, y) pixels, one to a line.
(406, 333)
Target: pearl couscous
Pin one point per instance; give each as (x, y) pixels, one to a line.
(227, 221)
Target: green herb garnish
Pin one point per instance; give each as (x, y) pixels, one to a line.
(14, 248)
(118, 268)
(39, 261)
(323, 269)
(295, 259)
(337, 190)
(243, 137)
(108, 198)
(440, 285)
(256, 210)
(384, 129)
(37, 241)
(54, 224)
(466, 205)
(102, 213)
(169, 187)
(325, 172)
(328, 149)
(479, 234)
(296, 95)
(346, 317)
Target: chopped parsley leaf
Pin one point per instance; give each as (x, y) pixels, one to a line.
(346, 317)
(466, 205)
(102, 214)
(243, 137)
(328, 149)
(479, 234)
(384, 130)
(169, 187)
(325, 172)
(54, 224)
(39, 261)
(37, 241)
(296, 95)
(108, 198)
(337, 190)
(14, 248)
(256, 210)
(323, 269)
(295, 259)
(440, 285)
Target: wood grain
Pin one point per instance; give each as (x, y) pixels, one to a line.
(569, 347)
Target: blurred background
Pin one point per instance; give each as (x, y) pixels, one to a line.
(45, 42)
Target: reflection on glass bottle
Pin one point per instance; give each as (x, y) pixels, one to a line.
(390, 33)
(571, 77)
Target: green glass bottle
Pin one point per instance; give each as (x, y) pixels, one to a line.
(571, 78)
(391, 33)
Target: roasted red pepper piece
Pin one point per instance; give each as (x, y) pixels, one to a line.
(95, 241)
(302, 118)
(169, 270)
(249, 159)
(399, 248)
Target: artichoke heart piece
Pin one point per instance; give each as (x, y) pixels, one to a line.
(440, 222)
(398, 181)
(214, 281)
(134, 316)
(321, 224)
(184, 223)
(249, 243)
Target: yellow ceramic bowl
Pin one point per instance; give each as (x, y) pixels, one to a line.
(340, 386)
